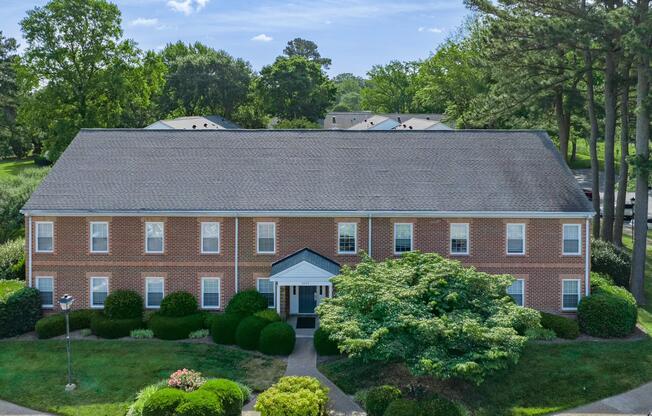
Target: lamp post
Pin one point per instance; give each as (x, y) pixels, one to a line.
(66, 302)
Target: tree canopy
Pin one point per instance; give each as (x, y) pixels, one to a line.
(307, 49)
(390, 88)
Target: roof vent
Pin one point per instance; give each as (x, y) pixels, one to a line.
(410, 127)
(428, 118)
(372, 123)
(399, 119)
(205, 124)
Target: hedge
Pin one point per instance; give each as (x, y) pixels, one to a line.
(178, 304)
(55, 325)
(379, 398)
(246, 303)
(269, 314)
(277, 338)
(248, 332)
(105, 327)
(124, 304)
(403, 407)
(563, 327)
(200, 403)
(439, 406)
(609, 312)
(166, 327)
(294, 395)
(323, 344)
(20, 308)
(223, 328)
(164, 402)
(228, 394)
(12, 260)
(608, 259)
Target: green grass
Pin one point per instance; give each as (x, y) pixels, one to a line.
(13, 167)
(583, 157)
(110, 373)
(548, 377)
(645, 311)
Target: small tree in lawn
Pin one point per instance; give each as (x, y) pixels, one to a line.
(438, 317)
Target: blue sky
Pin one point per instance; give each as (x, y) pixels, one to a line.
(355, 34)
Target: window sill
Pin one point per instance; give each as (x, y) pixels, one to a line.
(211, 308)
(459, 254)
(347, 253)
(210, 253)
(97, 307)
(571, 254)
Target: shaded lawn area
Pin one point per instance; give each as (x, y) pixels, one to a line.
(548, 377)
(13, 167)
(645, 311)
(110, 373)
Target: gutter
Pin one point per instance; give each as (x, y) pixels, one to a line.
(587, 264)
(29, 252)
(369, 236)
(235, 271)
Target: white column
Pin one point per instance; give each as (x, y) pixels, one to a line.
(277, 293)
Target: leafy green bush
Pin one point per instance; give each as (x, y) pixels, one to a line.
(246, 303)
(246, 392)
(124, 304)
(563, 327)
(613, 261)
(12, 260)
(277, 338)
(609, 312)
(439, 406)
(166, 327)
(323, 344)
(248, 332)
(402, 407)
(81, 318)
(14, 192)
(136, 408)
(599, 280)
(164, 402)
(208, 319)
(540, 334)
(20, 308)
(270, 314)
(228, 394)
(141, 333)
(50, 326)
(378, 398)
(200, 403)
(294, 396)
(200, 333)
(105, 327)
(178, 304)
(223, 328)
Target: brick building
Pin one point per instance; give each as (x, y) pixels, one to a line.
(216, 212)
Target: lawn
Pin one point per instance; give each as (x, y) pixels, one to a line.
(13, 167)
(548, 377)
(583, 157)
(109, 373)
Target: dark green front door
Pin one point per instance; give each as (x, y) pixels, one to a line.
(307, 300)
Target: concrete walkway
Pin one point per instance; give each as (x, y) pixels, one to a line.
(10, 409)
(634, 402)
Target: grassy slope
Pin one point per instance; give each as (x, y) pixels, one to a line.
(109, 373)
(13, 167)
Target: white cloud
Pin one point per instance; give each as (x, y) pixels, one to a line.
(142, 21)
(430, 29)
(187, 7)
(262, 38)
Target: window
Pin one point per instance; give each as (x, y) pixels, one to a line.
(515, 238)
(572, 243)
(570, 293)
(99, 291)
(210, 292)
(99, 237)
(266, 237)
(266, 288)
(517, 291)
(210, 237)
(154, 237)
(45, 285)
(347, 235)
(154, 287)
(45, 237)
(459, 238)
(402, 238)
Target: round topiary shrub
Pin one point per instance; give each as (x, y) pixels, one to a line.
(178, 304)
(563, 327)
(248, 332)
(104, 327)
(123, 304)
(50, 326)
(246, 303)
(402, 407)
(294, 395)
(270, 314)
(439, 406)
(277, 338)
(379, 398)
(20, 308)
(200, 403)
(223, 328)
(608, 259)
(323, 344)
(610, 312)
(166, 327)
(164, 402)
(228, 393)
(81, 318)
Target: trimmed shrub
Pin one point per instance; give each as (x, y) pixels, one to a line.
(178, 304)
(208, 319)
(277, 338)
(166, 327)
(563, 327)
(402, 407)
(136, 408)
(540, 334)
(223, 328)
(163, 402)
(248, 332)
(200, 403)
(124, 304)
(12, 260)
(613, 261)
(269, 314)
(439, 406)
(228, 394)
(50, 326)
(81, 318)
(20, 308)
(609, 312)
(104, 327)
(294, 396)
(323, 344)
(600, 280)
(246, 303)
(379, 398)
(246, 392)
(141, 334)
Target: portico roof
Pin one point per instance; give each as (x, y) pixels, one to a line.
(306, 266)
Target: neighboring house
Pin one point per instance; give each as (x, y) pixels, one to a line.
(366, 120)
(194, 123)
(221, 211)
(422, 124)
(375, 123)
(345, 119)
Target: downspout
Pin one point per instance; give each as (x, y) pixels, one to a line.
(369, 235)
(237, 279)
(29, 252)
(587, 252)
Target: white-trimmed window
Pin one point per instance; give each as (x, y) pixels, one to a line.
(515, 239)
(154, 236)
(517, 291)
(570, 294)
(99, 237)
(266, 288)
(347, 238)
(45, 285)
(99, 291)
(459, 237)
(210, 237)
(44, 236)
(210, 292)
(403, 237)
(154, 291)
(572, 240)
(266, 237)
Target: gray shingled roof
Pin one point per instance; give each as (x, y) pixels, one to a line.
(309, 256)
(319, 170)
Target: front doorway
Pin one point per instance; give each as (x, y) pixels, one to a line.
(307, 299)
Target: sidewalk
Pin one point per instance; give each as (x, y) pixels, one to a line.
(634, 402)
(10, 409)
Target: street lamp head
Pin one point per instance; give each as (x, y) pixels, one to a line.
(66, 302)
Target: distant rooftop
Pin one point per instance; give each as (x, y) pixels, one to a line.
(422, 124)
(347, 120)
(194, 123)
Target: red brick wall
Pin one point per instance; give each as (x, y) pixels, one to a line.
(543, 266)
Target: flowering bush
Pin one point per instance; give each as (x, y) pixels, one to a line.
(186, 380)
